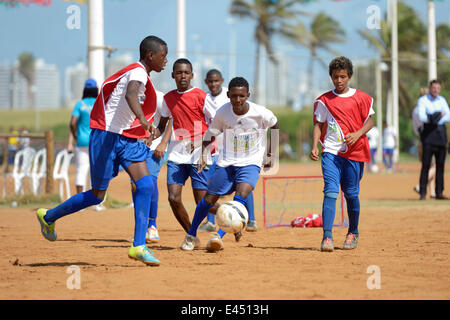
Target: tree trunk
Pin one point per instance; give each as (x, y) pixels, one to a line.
(255, 94)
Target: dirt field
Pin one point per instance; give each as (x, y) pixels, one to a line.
(406, 240)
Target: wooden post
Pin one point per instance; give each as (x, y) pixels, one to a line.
(50, 147)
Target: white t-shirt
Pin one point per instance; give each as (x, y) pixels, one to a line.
(245, 136)
(373, 135)
(216, 102)
(389, 135)
(179, 151)
(334, 137)
(118, 115)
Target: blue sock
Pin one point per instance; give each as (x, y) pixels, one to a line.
(221, 233)
(201, 212)
(153, 203)
(353, 209)
(250, 207)
(212, 218)
(240, 199)
(328, 213)
(73, 204)
(141, 209)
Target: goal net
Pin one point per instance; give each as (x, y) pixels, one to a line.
(289, 197)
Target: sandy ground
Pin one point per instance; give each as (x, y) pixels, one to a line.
(403, 252)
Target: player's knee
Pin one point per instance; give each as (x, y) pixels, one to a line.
(332, 195)
(144, 185)
(174, 199)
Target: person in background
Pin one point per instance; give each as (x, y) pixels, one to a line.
(389, 135)
(434, 113)
(418, 127)
(373, 136)
(79, 132)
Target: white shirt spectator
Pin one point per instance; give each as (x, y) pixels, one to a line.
(389, 135)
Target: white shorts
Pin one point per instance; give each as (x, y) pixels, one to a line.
(82, 163)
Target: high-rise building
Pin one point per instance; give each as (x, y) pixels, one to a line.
(75, 76)
(47, 88)
(5, 87)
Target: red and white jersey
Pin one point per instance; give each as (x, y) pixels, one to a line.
(191, 114)
(341, 115)
(111, 111)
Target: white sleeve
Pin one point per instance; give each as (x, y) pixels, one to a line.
(159, 102)
(209, 109)
(371, 111)
(138, 74)
(321, 112)
(269, 119)
(165, 112)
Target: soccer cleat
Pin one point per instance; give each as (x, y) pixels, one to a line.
(152, 234)
(214, 244)
(327, 245)
(351, 241)
(251, 226)
(190, 243)
(142, 253)
(207, 226)
(237, 236)
(47, 229)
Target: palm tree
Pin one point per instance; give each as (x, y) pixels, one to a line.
(268, 15)
(26, 69)
(323, 31)
(411, 44)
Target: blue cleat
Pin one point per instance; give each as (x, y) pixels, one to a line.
(47, 229)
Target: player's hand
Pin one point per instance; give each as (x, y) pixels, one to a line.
(69, 148)
(201, 163)
(268, 161)
(160, 150)
(314, 155)
(352, 137)
(148, 142)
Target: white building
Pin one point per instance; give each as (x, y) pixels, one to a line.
(75, 76)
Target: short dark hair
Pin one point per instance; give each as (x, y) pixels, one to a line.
(150, 43)
(238, 82)
(182, 61)
(213, 72)
(90, 93)
(341, 63)
(434, 81)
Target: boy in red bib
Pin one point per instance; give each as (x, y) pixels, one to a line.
(342, 117)
(122, 114)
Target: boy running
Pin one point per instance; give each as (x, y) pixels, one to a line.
(121, 115)
(218, 95)
(342, 117)
(190, 112)
(244, 126)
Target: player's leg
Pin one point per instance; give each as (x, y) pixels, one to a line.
(331, 165)
(154, 166)
(218, 185)
(251, 226)
(199, 182)
(352, 172)
(102, 160)
(440, 155)
(427, 153)
(177, 175)
(210, 224)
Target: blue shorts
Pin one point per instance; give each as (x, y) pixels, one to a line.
(339, 170)
(178, 174)
(215, 158)
(108, 150)
(388, 151)
(154, 164)
(224, 179)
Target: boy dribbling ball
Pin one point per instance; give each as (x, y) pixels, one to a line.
(342, 117)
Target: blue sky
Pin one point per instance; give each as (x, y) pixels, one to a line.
(43, 31)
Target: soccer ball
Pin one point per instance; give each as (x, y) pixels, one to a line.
(232, 216)
(374, 168)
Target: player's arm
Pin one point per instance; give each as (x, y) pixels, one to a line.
(73, 133)
(132, 99)
(208, 139)
(268, 163)
(352, 137)
(317, 131)
(162, 146)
